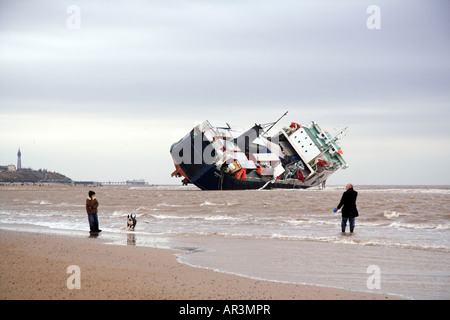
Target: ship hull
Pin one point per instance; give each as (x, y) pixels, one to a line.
(213, 179)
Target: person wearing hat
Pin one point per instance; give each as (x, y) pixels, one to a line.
(91, 209)
(349, 210)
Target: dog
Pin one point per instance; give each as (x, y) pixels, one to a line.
(131, 222)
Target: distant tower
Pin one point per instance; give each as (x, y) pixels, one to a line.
(19, 160)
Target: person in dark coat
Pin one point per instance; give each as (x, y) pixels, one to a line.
(92, 210)
(348, 205)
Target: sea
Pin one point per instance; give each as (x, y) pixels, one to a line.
(400, 246)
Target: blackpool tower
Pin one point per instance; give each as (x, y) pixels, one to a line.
(19, 160)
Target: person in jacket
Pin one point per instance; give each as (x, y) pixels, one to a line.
(349, 210)
(92, 210)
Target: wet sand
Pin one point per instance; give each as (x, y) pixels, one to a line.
(34, 266)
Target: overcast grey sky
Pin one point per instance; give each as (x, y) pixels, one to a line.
(103, 95)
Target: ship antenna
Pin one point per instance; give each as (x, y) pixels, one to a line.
(274, 123)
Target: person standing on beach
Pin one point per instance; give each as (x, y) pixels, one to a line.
(91, 209)
(349, 210)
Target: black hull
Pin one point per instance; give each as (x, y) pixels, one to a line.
(207, 177)
(212, 179)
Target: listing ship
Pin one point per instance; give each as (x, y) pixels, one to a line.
(220, 156)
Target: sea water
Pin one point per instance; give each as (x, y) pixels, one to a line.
(288, 236)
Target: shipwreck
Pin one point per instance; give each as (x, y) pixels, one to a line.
(221, 156)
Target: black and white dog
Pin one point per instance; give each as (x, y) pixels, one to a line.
(131, 222)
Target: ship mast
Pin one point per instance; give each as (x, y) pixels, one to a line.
(272, 124)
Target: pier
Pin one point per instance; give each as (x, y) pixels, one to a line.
(114, 183)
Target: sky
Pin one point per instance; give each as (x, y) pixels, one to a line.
(99, 90)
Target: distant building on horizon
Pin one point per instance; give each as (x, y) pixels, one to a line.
(8, 168)
(11, 167)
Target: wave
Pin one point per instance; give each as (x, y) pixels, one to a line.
(419, 226)
(197, 217)
(203, 204)
(306, 235)
(65, 205)
(119, 213)
(394, 214)
(391, 215)
(208, 203)
(444, 190)
(338, 239)
(41, 202)
(170, 205)
(50, 204)
(331, 222)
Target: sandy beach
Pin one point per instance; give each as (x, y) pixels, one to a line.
(34, 266)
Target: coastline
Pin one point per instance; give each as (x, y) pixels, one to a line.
(34, 267)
